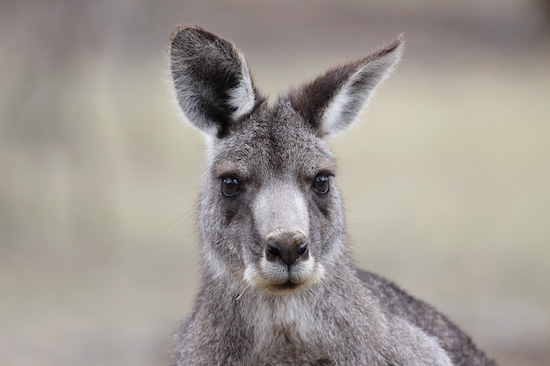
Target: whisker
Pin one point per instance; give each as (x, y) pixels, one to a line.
(178, 222)
(243, 291)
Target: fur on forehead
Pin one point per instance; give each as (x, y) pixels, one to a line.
(278, 138)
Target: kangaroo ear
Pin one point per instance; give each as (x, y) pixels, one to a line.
(333, 101)
(211, 79)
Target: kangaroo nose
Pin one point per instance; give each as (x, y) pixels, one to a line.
(288, 247)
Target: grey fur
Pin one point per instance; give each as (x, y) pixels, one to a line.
(264, 298)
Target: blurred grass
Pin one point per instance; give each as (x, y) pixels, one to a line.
(445, 179)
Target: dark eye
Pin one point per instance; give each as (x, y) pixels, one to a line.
(230, 186)
(321, 184)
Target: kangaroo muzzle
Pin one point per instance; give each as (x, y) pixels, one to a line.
(282, 221)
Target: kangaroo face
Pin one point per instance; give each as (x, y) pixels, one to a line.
(271, 188)
(270, 214)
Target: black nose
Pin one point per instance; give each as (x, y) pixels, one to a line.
(287, 247)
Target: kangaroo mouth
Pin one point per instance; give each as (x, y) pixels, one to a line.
(275, 277)
(288, 285)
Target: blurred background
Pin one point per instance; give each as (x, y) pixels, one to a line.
(446, 178)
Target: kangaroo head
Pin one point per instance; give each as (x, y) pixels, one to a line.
(270, 214)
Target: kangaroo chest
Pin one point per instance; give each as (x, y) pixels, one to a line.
(290, 332)
(285, 345)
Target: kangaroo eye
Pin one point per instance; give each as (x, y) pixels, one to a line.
(230, 186)
(321, 184)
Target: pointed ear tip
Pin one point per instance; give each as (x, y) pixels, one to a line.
(182, 31)
(398, 43)
(394, 50)
(175, 36)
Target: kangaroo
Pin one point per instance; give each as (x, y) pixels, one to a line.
(278, 286)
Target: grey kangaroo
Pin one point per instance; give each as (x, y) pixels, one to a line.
(278, 286)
